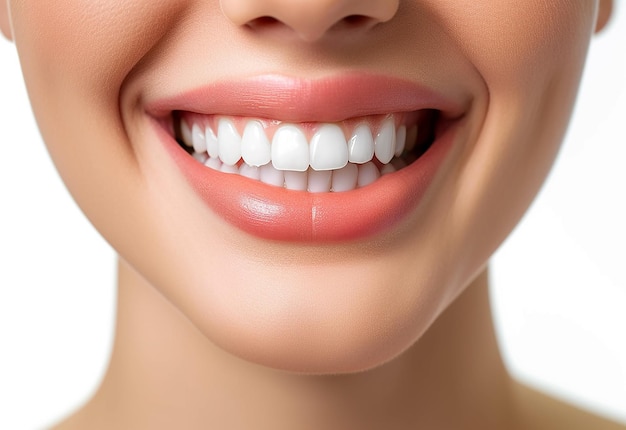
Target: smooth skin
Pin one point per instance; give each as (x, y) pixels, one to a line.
(218, 329)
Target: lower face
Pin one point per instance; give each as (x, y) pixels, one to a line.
(163, 121)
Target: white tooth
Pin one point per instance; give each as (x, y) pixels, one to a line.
(271, 176)
(255, 147)
(411, 138)
(200, 156)
(186, 132)
(227, 168)
(345, 178)
(212, 147)
(328, 149)
(229, 142)
(290, 149)
(368, 173)
(213, 163)
(319, 180)
(400, 140)
(296, 180)
(386, 169)
(197, 137)
(251, 172)
(385, 143)
(361, 145)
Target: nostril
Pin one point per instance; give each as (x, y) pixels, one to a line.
(353, 22)
(263, 22)
(309, 19)
(350, 22)
(356, 20)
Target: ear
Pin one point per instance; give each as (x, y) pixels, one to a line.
(605, 9)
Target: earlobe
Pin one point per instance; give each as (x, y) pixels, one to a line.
(605, 9)
(5, 24)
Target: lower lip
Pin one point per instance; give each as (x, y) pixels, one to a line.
(275, 213)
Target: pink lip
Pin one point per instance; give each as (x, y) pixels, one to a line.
(279, 214)
(304, 100)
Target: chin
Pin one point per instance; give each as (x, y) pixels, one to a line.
(344, 324)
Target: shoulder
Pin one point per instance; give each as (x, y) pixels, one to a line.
(538, 411)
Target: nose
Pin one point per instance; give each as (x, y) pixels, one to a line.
(309, 19)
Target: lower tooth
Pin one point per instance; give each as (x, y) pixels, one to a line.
(248, 171)
(348, 178)
(272, 176)
(345, 179)
(319, 181)
(296, 180)
(227, 168)
(368, 173)
(213, 163)
(200, 156)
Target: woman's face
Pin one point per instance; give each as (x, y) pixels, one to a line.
(306, 280)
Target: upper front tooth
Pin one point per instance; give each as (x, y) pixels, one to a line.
(290, 149)
(329, 149)
(197, 138)
(361, 145)
(229, 142)
(400, 140)
(212, 146)
(385, 143)
(255, 146)
(186, 132)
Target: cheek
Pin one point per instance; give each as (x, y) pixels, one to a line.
(530, 55)
(514, 42)
(89, 45)
(75, 56)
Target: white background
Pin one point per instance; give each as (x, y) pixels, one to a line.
(560, 280)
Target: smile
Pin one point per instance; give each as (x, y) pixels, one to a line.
(313, 157)
(337, 159)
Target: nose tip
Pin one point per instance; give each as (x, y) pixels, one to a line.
(311, 20)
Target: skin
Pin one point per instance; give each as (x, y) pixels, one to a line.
(382, 341)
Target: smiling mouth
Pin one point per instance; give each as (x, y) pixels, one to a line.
(314, 157)
(339, 158)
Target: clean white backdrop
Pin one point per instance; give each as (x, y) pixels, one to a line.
(560, 280)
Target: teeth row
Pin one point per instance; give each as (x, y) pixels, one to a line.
(289, 150)
(347, 178)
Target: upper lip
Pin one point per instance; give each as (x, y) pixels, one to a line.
(328, 99)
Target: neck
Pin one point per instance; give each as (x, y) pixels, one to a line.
(165, 374)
